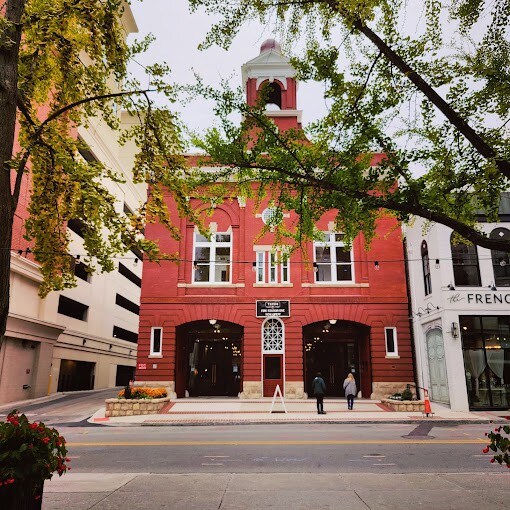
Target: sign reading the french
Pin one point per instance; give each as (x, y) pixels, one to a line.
(273, 308)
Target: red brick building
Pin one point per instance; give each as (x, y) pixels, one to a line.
(233, 318)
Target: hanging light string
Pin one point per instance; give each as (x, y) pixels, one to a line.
(376, 262)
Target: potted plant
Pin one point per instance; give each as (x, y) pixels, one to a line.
(499, 444)
(29, 454)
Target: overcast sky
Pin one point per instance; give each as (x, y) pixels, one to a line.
(178, 34)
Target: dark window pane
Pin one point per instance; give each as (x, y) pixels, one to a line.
(202, 254)
(138, 253)
(124, 271)
(156, 340)
(343, 255)
(465, 264)
(125, 334)
(202, 273)
(425, 264)
(222, 254)
(390, 340)
(77, 226)
(272, 367)
(72, 308)
(127, 304)
(223, 238)
(343, 273)
(81, 271)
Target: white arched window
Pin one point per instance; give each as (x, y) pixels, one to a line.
(272, 336)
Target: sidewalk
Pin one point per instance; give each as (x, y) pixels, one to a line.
(200, 411)
(296, 491)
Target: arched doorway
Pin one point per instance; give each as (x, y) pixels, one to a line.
(208, 359)
(336, 348)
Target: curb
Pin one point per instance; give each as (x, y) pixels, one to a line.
(304, 422)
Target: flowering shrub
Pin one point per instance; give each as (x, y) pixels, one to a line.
(499, 444)
(142, 392)
(29, 453)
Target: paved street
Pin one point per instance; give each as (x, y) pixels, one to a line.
(72, 407)
(424, 464)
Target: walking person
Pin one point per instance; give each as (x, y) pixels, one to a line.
(350, 390)
(319, 388)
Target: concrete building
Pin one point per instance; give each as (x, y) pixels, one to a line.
(460, 298)
(235, 318)
(80, 338)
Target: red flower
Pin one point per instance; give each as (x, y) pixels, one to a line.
(45, 440)
(492, 461)
(67, 459)
(13, 420)
(486, 450)
(33, 426)
(9, 481)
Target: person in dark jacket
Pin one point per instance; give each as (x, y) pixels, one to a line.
(350, 390)
(319, 388)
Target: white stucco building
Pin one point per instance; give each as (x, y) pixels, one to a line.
(85, 337)
(460, 297)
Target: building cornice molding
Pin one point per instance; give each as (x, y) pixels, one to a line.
(25, 267)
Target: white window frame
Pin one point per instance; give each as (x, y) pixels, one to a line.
(273, 351)
(332, 244)
(153, 353)
(212, 244)
(269, 270)
(394, 353)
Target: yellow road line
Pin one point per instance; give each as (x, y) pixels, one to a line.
(282, 443)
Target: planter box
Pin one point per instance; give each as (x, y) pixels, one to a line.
(134, 406)
(24, 495)
(405, 406)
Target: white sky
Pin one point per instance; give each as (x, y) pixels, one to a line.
(178, 34)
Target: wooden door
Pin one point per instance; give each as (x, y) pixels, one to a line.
(273, 373)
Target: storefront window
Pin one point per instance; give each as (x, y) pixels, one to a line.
(486, 349)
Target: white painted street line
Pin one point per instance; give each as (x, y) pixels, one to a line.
(383, 464)
(374, 456)
(212, 464)
(216, 456)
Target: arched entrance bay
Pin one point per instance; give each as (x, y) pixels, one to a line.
(335, 350)
(208, 359)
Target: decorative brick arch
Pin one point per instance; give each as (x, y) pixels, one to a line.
(356, 313)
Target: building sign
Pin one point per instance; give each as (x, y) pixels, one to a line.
(142, 366)
(480, 298)
(273, 308)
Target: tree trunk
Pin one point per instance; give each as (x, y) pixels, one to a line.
(9, 51)
(478, 143)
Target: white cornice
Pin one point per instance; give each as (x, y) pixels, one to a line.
(284, 113)
(25, 267)
(266, 65)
